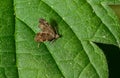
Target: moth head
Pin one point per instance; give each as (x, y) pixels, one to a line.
(57, 36)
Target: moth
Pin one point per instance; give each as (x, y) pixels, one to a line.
(48, 33)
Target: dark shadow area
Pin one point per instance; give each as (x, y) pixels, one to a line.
(54, 24)
(113, 58)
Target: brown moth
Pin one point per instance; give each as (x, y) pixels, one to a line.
(47, 34)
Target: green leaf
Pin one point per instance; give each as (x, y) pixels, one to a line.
(8, 67)
(81, 24)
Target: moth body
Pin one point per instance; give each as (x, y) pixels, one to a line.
(47, 34)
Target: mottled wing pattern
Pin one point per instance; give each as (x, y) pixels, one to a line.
(47, 33)
(43, 36)
(45, 27)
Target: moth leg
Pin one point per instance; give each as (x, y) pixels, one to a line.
(52, 41)
(39, 45)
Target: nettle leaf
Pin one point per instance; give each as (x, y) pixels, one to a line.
(81, 24)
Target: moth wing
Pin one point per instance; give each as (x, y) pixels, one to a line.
(45, 26)
(47, 36)
(47, 29)
(44, 36)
